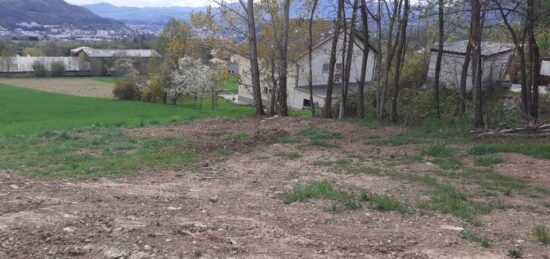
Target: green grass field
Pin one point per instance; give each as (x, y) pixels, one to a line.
(24, 111)
(231, 84)
(105, 79)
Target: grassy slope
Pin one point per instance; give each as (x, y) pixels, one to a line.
(26, 111)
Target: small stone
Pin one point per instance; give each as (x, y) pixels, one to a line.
(147, 247)
(114, 253)
(213, 199)
(452, 228)
(139, 255)
(14, 186)
(69, 229)
(174, 208)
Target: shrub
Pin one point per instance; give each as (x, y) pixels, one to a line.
(153, 90)
(39, 69)
(126, 89)
(58, 69)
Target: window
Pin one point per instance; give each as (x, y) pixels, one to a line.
(325, 68)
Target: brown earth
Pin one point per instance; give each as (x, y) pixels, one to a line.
(232, 206)
(70, 86)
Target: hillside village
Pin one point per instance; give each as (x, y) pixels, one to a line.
(275, 129)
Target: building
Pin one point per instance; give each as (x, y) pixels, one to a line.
(298, 72)
(495, 58)
(545, 72)
(23, 66)
(102, 60)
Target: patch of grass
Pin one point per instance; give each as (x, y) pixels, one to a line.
(25, 111)
(448, 163)
(383, 202)
(488, 160)
(90, 153)
(105, 79)
(439, 150)
(534, 149)
(473, 237)
(288, 140)
(225, 151)
(313, 190)
(231, 84)
(288, 155)
(236, 137)
(338, 165)
(540, 232)
(320, 134)
(323, 143)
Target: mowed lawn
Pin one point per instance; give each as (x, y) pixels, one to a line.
(24, 111)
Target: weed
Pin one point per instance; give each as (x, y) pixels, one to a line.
(541, 234)
(225, 151)
(473, 237)
(288, 155)
(396, 140)
(288, 140)
(439, 150)
(515, 253)
(488, 160)
(314, 190)
(534, 149)
(383, 202)
(448, 163)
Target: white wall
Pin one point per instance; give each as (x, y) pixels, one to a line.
(298, 82)
(24, 64)
(451, 68)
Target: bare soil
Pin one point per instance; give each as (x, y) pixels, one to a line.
(232, 206)
(70, 86)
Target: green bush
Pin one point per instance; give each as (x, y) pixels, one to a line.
(126, 89)
(39, 69)
(153, 91)
(58, 69)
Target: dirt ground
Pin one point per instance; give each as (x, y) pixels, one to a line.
(71, 86)
(232, 207)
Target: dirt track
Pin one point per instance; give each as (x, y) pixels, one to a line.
(71, 86)
(232, 208)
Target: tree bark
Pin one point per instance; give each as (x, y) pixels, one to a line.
(439, 58)
(327, 111)
(364, 62)
(349, 58)
(283, 62)
(475, 39)
(534, 61)
(310, 57)
(463, 79)
(254, 67)
(399, 62)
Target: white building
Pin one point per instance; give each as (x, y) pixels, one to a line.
(298, 74)
(495, 60)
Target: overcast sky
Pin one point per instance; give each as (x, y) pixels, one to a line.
(142, 3)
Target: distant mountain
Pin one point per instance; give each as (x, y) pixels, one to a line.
(147, 15)
(51, 12)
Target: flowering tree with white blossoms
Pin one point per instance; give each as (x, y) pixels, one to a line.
(190, 77)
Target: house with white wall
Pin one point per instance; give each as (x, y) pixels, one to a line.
(298, 74)
(495, 58)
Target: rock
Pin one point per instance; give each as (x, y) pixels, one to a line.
(147, 247)
(75, 251)
(14, 186)
(213, 199)
(452, 228)
(114, 253)
(139, 255)
(174, 208)
(69, 229)
(88, 248)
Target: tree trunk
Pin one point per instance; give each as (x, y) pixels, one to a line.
(379, 57)
(310, 54)
(254, 67)
(475, 38)
(389, 58)
(332, 63)
(463, 79)
(283, 62)
(349, 58)
(364, 62)
(273, 105)
(534, 61)
(399, 62)
(439, 58)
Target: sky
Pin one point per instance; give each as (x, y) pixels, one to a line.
(142, 3)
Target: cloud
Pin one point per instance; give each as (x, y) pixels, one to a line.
(142, 3)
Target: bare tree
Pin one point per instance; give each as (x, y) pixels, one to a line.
(310, 54)
(349, 56)
(534, 60)
(441, 32)
(283, 61)
(475, 40)
(364, 62)
(254, 67)
(327, 112)
(402, 44)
